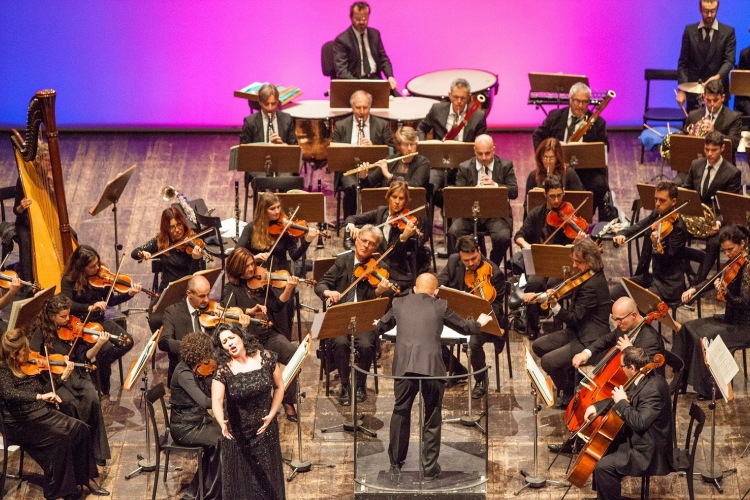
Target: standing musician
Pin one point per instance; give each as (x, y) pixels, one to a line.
(707, 52)
(644, 444)
(462, 272)
(414, 170)
(707, 176)
(733, 284)
(486, 169)
(563, 123)
(549, 161)
(400, 266)
(262, 233)
(662, 272)
(716, 116)
(587, 318)
(89, 302)
(363, 129)
(77, 391)
(330, 286)
(245, 289)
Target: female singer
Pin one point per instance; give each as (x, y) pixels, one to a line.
(414, 170)
(550, 161)
(248, 384)
(84, 264)
(240, 269)
(399, 260)
(189, 400)
(733, 325)
(78, 391)
(58, 443)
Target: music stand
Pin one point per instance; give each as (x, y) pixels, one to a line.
(686, 148)
(342, 90)
(582, 155)
(554, 83)
(343, 157)
(646, 196)
(321, 267)
(475, 203)
(552, 261)
(174, 293)
(693, 199)
(24, 312)
(111, 194)
(372, 198)
(350, 319)
(265, 157)
(647, 302)
(735, 208)
(446, 154)
(536, 197)
(310, 205)
(739, 82)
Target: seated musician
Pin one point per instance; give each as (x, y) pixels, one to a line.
(363, 129)
(248, 292)
(88, 301)
(715, 116)
(742, 102)
(7, 299)
(733, 325)
(707, 176)
(335, 281)
(661, 270)
(486, 169)
(586, 319)
(414, 170)
(460, 273)
(535, 231)
(77, 391)
(644, 443)
(549, 161)
(400, 266)
(563, 123)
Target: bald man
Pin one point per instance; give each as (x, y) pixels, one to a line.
(486, 169)
(419, 319)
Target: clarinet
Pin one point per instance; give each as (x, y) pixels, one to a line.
(361, 133)
(237, 210)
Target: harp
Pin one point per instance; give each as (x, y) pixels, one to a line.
(38, 159)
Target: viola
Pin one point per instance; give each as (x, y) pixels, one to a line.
(190, 244)
(205, 368)
(278, 279)
(607, 375)
(731, 270)
(566, 215)
(567, 286)
(214, 313)
(89, 332)
(479, 281)
(297, 228)
(664, 228)
(8, 275)
(104, 278)
(37, 363)
(373, 274)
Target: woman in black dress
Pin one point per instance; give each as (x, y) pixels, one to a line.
(550, 161)
(246, 393)
(189, 400)
(78, 391)
(58, 443)
(84, 264)
(415, 170)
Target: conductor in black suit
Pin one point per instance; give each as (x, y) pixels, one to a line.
(644, 444)
(563, 123)
(716, 116)
(358, 52)
(707, 176)
(741, 102)
(362, 129)
(707, 52)
(419, 318)
(486, 169)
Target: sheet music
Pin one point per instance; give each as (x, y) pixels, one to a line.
(721, 364)
(229, 227)
(317, 323)
(541, 382)
(233, 154)
(528, 261)
(295, 363)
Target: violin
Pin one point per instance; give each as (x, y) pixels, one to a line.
(373, 274)
(663, 227)
(8, 275)
(205, 368)
(401, 219)
(566, 215)
(731, 270)
(89, 332)
(37, 363)
(104, 278)
(479, 281)
(214, 313)
(278, 279)
(190, 244)
(297, 228)
(567, 286)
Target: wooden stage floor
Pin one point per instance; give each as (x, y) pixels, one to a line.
(196, 164)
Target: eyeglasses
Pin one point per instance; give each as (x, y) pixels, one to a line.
(175, 228)
(618, 320)
(459, 97)
(368, 243)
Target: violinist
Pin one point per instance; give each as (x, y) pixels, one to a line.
(644, 444)
(399, 260)
(189, 400)
(336, 280)
(414, 170)
(550, 161)
(60, 444)
(77, 391)
(463, 271)
(733, 326)
(667, 278)
(85, 264)
(586, 319)
(241, 271)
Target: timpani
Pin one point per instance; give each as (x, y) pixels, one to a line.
(313, 122)
(436, 84)
(405, 111)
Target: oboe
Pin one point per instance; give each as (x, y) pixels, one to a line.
(237, 209)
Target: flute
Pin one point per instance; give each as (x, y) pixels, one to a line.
(368, 166)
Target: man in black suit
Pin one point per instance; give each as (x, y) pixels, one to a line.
(563, 123)
(741, 102)
(644, 444)
(486, 169)
(707, 176)
(467, 261)
(359, 52)
(330, 286)
(662, 272)
(362, 129)
(707, 52)
(716, 116)
(586, 319)
(419, 318)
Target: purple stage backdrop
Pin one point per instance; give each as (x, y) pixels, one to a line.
(176, 63)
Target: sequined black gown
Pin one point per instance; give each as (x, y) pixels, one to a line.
(251, 464)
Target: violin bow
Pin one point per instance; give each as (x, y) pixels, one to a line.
(396, 217)
(181, 242)
(289, 222)
(354, 283)
(648, 228)
(720, 274)
(51, 379)
(565, 221)
(270, 266)
(224, 311)
(561, 285)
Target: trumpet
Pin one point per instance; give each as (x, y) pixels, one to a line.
(169, 194)
(368, 166)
